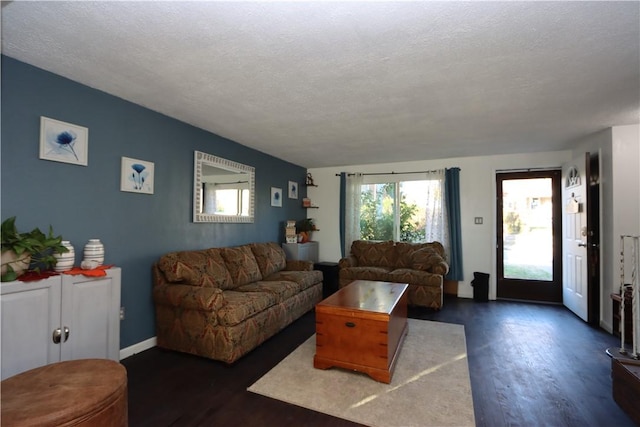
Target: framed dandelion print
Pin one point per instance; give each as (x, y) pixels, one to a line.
(63, 142)
(136, 176)
(276, 197)
(293, 190)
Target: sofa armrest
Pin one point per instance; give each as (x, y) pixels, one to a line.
(426, 259)
(441, 268)
(188, 297)
(298, 265)
(349, 261)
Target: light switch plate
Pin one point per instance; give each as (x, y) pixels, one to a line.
(477, 220)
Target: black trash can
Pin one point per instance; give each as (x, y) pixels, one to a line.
(480, 285)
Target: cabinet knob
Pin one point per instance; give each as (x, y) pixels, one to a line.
(57, 333)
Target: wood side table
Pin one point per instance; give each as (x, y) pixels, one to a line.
(85, 392)
(361, 327)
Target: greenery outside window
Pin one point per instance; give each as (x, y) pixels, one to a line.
(399, 210)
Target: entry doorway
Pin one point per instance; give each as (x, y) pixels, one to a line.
(529, 236)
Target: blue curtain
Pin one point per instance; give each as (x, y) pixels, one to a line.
(452, 199)
(343, 203)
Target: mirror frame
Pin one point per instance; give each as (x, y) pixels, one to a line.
(200, 159)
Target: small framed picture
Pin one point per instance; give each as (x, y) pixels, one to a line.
(63, 142)
(276, 197)
(136, 176)
(293, 190)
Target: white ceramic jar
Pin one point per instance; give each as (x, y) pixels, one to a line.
(66, 260)
(94, 251)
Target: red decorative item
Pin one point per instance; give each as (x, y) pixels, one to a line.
(96, 272)
(32, 276)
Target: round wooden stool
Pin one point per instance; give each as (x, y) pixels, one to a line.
(87, 392)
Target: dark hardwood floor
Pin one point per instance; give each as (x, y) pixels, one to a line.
(530, 365)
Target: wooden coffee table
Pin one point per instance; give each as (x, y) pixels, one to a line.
(361, 327)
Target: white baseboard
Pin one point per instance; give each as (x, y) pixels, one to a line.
(137, 348)
(606, 326)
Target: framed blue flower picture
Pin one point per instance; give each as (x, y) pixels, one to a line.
(63, 142)
(137, 176)
(293, 190)
(276, 197)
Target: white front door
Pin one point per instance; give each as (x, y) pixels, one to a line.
(574, 245)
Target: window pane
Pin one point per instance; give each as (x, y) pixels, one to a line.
(413, 206)
(245, 202)
(377, 211)
(226, 202)
(379, 219)
(527, 223)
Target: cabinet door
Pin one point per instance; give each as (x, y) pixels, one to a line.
(91, 311)
(30, 313)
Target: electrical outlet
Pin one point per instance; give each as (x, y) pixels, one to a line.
(121, 313)
(477, 220)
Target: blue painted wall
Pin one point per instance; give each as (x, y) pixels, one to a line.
(86, 202)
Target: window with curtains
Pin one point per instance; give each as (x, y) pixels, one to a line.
(409, 210)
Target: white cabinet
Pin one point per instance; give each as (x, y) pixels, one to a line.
(60, 318)
(30, 312)
(301, 251)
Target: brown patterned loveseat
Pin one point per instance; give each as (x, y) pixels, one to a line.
(221, 303)
(421, 265)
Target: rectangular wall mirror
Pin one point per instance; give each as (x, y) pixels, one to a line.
(223, 190)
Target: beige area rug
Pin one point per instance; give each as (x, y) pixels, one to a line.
(430, 386)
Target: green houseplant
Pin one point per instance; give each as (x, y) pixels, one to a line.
(21, 250)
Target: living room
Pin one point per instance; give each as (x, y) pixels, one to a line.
(83, 202)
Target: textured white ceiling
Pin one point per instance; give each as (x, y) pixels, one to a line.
(339, 83)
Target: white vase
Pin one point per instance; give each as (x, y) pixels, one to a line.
(94, 251)
(65, 261)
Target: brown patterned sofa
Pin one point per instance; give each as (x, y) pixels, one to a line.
(221, 303)
(421, 265)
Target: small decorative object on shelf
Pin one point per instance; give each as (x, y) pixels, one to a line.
(66, 260)
(94, 251)
(306, 202)
(304, 228)
(290, 232)
(309, 181)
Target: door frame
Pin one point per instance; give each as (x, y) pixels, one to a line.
(592, 172)
(531, 290)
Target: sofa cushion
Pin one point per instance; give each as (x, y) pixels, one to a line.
(415, 277)
(241, 264)
(365, 273)
(405, 250)
(269, 256)
(376, 254)
(424, 259)
(240, 306)
(198, 268)
(303, 279)
(280, 289)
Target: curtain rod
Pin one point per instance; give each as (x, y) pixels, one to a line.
(394, 173)
(541, 169)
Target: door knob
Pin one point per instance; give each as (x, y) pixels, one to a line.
(582, 245)
(66, 333)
